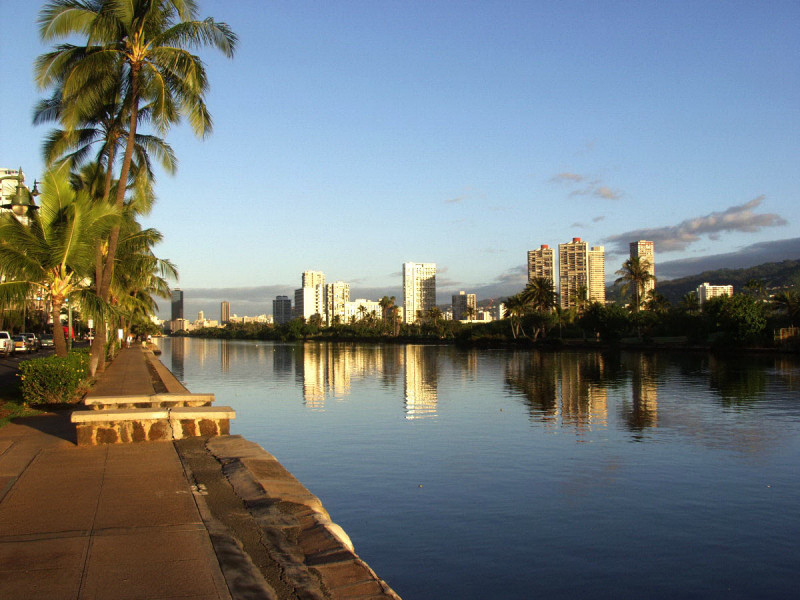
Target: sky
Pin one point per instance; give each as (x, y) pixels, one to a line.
(351, 137)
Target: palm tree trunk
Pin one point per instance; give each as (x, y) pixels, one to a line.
(104, 282)
(59, 342)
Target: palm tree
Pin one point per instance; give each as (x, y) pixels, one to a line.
(471, 312)
(690, 303)
(756, 288)
(54, 255)
(516, 307)
(657, 303)
(137, 50)
(139, 274)
(540, 294)
(788, 302)
(635, 275)
(105, 128)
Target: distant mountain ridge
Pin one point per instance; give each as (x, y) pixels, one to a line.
(773, 274)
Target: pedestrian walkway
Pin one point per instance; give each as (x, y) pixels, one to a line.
(127, 375)
(115, 521)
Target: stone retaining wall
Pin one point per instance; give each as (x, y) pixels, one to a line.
(131, 425)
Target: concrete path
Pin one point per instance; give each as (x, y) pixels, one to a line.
(114, 521)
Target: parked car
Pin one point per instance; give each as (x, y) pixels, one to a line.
(6, 344)
(21, 344)
(46, 341)
(33, 341)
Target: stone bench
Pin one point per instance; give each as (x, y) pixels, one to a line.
(152, 401)
(127, 425)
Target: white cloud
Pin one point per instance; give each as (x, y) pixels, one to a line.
(739, 218)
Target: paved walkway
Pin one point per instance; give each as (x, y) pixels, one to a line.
(115, 521)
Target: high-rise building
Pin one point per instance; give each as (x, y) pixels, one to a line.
(644, 250)
(309, 300)
(465, 306)
(282, 310)
(313, 278)
(177, 304)
(541, 263)
(581, 271)
(419, 289)
(573, 271)
(597, 274)
(224, 312)
(337, 294)
(706, 291)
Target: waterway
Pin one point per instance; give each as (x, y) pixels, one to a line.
(474, 474)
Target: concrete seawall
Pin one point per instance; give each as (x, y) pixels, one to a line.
(271, 534)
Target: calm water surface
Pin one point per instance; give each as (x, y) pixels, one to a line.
(516, 474)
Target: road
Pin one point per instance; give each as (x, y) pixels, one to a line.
(9, 366)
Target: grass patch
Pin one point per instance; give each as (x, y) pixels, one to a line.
(12, 406)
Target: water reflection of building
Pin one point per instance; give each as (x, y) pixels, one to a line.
(225, 355)
(420, 381)
(313, 377)
(584, 400)
(644, 410)
(564, 388)
(283, 360)
(179, 346)
(328, 370)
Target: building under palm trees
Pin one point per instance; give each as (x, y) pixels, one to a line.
(465, 306)
(581, 273)
(645, 251)
(337, 295)
(419, 289)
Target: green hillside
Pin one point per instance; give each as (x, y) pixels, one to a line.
(774, 275)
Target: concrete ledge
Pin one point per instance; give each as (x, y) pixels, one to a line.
(169, 380)
(119, 414)
(152, 401)
(315, 554)
(131, 425)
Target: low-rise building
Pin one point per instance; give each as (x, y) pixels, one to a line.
(706, 291)
(353, 310)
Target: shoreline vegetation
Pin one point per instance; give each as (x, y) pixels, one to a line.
(738, 323)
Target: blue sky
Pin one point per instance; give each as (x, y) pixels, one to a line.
(350, 137)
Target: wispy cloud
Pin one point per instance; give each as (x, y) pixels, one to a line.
(584, 186)
(739, 218)
(598, 219)
(578, 224)
(567, 178)
(454, 200)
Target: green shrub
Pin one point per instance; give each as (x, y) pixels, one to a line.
(54, 380)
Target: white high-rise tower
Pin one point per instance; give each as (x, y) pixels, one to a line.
(419, 289)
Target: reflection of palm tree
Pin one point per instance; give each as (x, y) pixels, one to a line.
(635, 275)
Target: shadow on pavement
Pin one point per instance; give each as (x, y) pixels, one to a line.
(56, 424)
